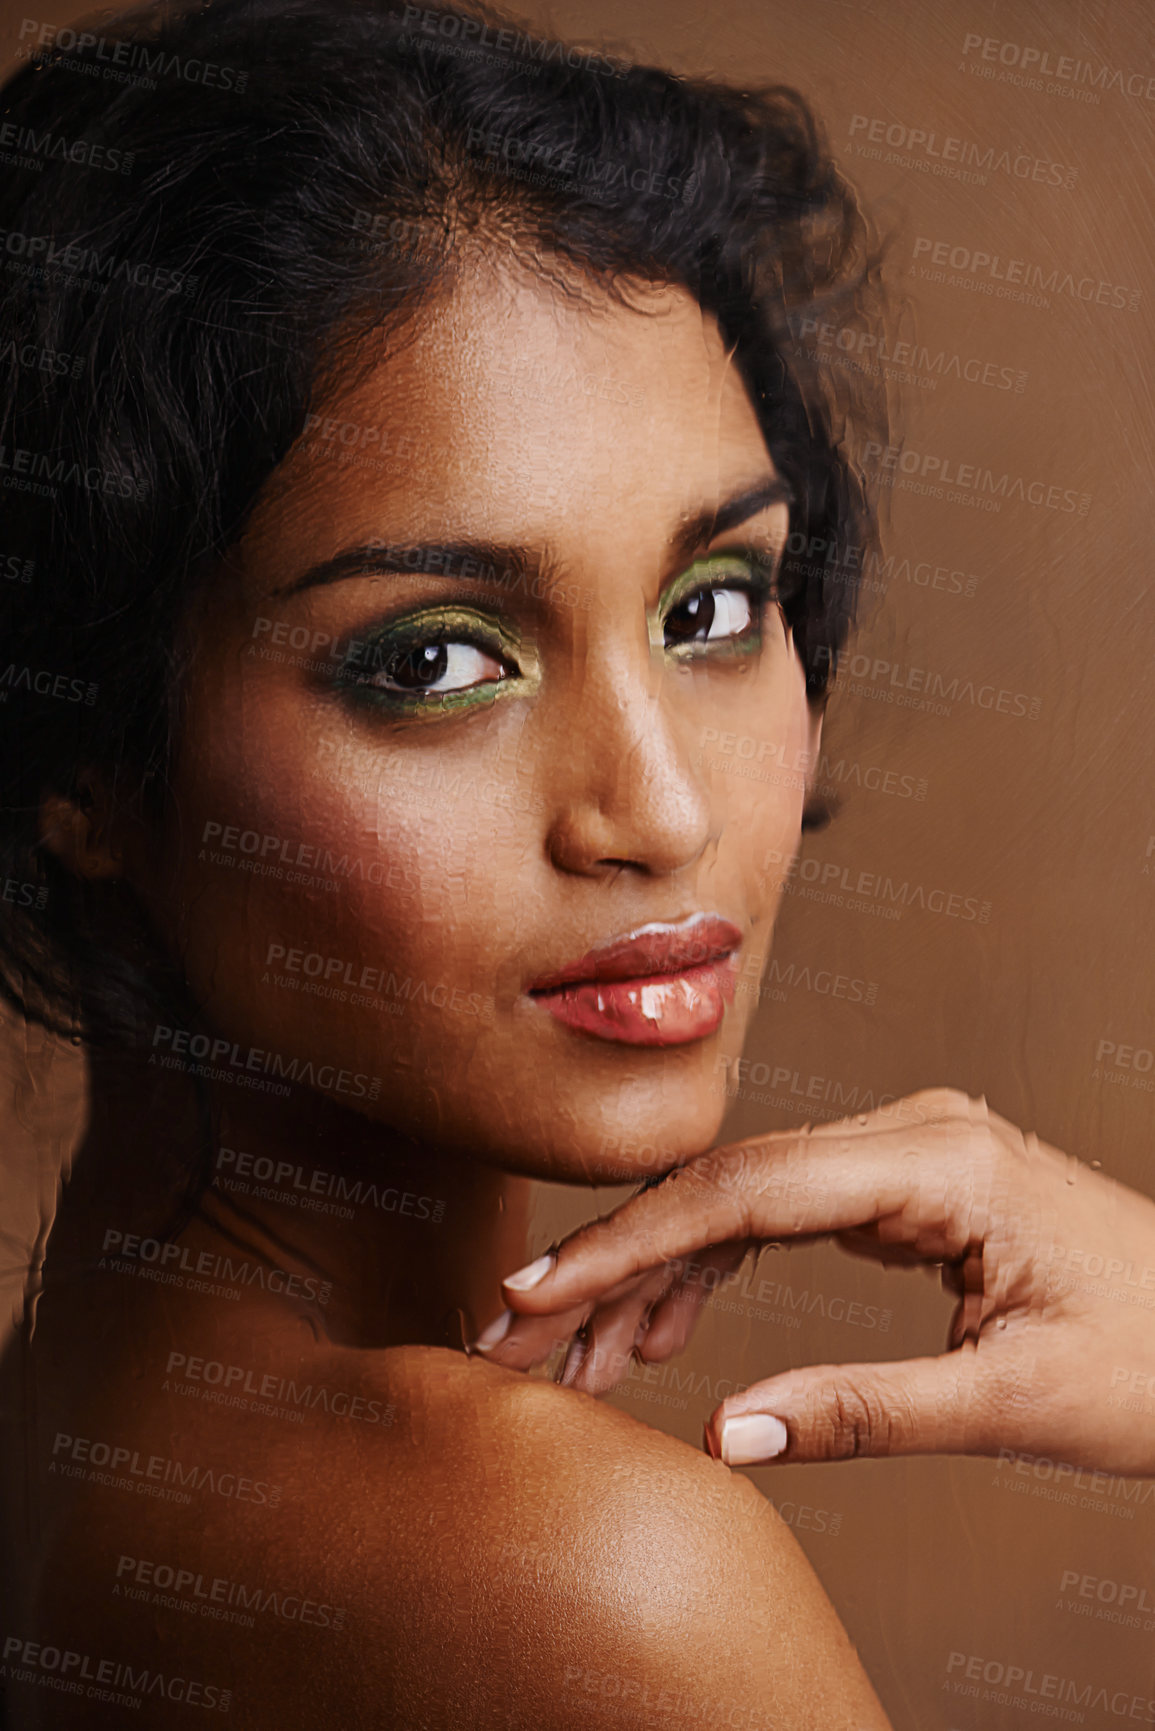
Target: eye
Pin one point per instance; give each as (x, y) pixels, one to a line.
(434, 660)
(433, 669)
(716, 608)
(709, 615)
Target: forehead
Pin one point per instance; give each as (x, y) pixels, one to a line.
(505, 332)
(518, 402)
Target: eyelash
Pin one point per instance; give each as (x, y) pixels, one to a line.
(757, 582)
(399, 641)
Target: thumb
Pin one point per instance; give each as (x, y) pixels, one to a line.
(834, 1412)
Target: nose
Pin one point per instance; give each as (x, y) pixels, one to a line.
(628, 792)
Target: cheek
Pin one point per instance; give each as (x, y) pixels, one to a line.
(293, 839)
(763, 766)
(436, 858)
(769, 820)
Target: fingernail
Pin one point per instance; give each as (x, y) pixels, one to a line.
(753, 1436)
(497, 1331)
(530, 1275)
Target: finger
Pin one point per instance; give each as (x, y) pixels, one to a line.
(925, 1182)
(966, 1276)
(673, 1318)
(658, 1328)
(671, 1324)
(970, 1315)
(520, 1342)
(832, 1412)
(650, 1322)
(600, 1358)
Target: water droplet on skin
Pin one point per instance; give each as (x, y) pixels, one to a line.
(1096, 1166)
(1001, 1322)
(862, 1118)
(1070, 1177)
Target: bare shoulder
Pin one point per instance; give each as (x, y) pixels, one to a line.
(617, 1574)
(439, 1542)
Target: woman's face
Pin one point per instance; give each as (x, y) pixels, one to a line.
(539, 701)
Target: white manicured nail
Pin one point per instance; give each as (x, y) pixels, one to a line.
(497, 1331)
(753, 1436)
(527, 1277)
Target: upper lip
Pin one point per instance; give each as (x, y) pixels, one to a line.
(660, 947)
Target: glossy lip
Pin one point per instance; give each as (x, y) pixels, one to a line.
(659, 948)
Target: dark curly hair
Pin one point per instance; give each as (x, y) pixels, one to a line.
(215, 203)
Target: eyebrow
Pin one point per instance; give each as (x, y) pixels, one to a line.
(496, 560)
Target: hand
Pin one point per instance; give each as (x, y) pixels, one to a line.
(1051, 1349)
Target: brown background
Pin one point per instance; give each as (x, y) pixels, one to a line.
(1047, 819)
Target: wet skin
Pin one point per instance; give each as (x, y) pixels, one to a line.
(525, 775)
(553, 789)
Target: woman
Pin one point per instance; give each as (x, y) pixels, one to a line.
(417, 492)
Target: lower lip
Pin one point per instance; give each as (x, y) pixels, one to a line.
(660, 1010)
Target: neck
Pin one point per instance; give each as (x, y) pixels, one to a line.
(412, 1240)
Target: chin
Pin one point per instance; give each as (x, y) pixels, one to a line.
(621, 1136)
